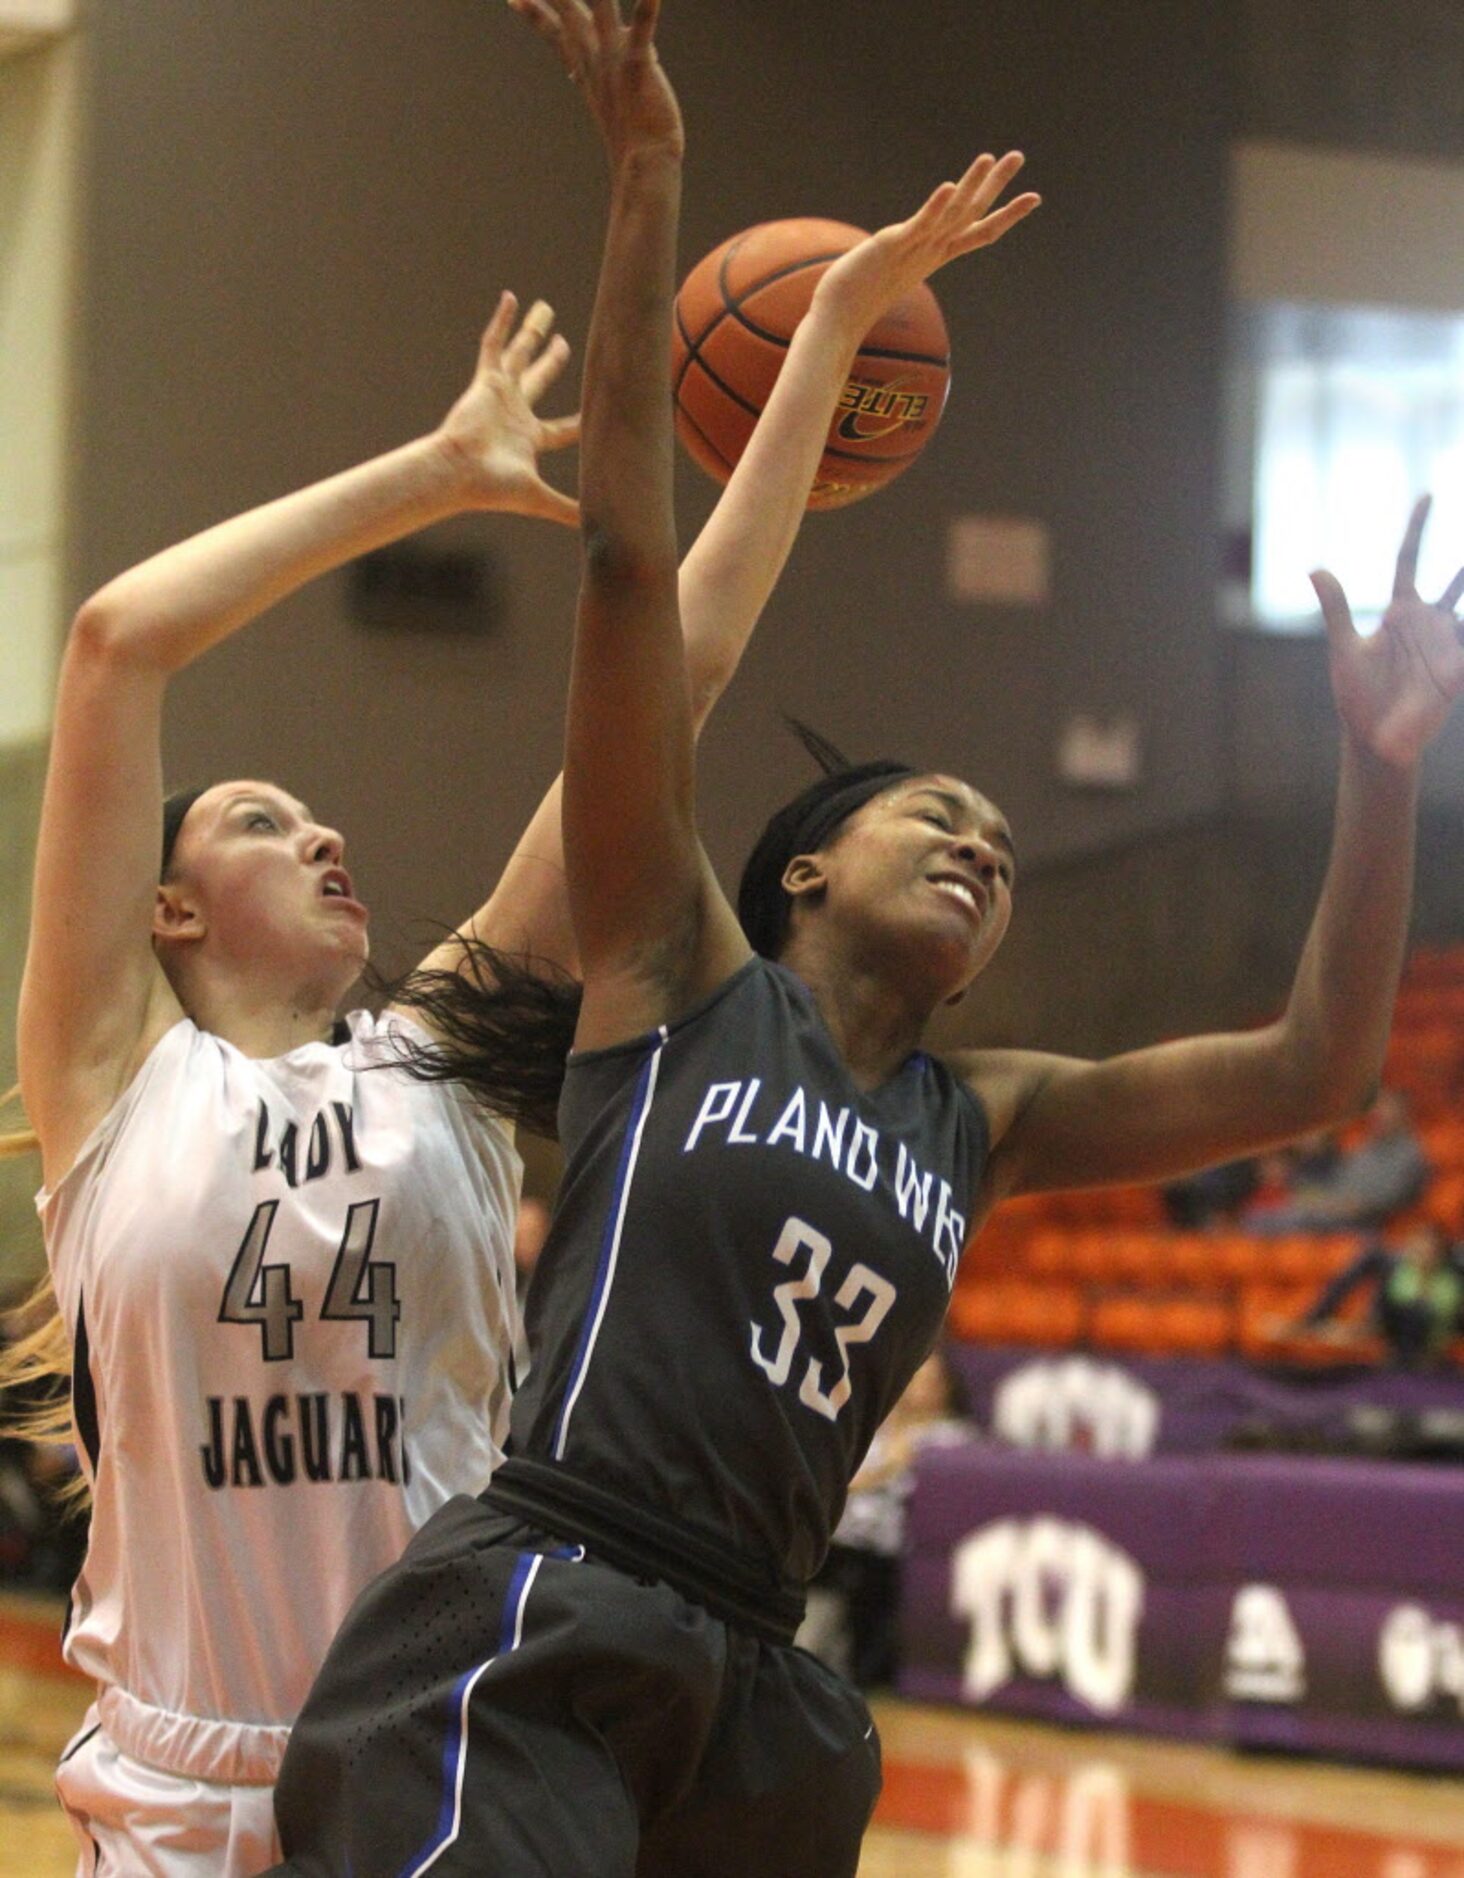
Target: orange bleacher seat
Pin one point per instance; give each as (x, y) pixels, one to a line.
(1048, 1253)
(1160, 1326)
(1426, 1062)
(1444, 1202)
(1196, 1325)
(1010, 1311)
(1239, 1257)
(1193, 1262)
(1139, 1260)
(1127, 1321)
(1263, 1312)
(1050, 1315)
(1443, 1143)
(1308, 1258)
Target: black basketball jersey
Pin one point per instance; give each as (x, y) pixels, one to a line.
(749, 1259)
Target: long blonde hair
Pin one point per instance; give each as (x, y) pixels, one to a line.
(39, 1359)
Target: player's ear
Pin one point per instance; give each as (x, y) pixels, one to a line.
(804, 875)
(176, 916)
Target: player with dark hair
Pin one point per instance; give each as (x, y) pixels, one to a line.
(283, 1261)
(768, 1179)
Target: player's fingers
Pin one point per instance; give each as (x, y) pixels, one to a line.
(996, 179)
(555, 506)
(1453, 593)
(975, 176)
(541, 14)
(495, 333)
(562, 22)
(558, 433)
(1336, 613)
(644, 16)
(542, 372)
(992, 227)
(535, 328)
(606, 16)
(932, 211)
(1405, 576)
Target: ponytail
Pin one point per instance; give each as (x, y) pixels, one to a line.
(502, 1028)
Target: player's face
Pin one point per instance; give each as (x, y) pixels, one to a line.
(265, 888)
(928, 867)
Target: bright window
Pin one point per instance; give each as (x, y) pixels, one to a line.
(1352, 412)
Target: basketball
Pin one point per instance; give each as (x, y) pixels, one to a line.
(735, 314)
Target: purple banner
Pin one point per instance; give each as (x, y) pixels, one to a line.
(1132, 1407)
(1304, 1603)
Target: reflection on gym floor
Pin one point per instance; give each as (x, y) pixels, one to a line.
(965, 1796)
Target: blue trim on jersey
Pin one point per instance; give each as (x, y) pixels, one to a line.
(610, 1239)
(455, 1743)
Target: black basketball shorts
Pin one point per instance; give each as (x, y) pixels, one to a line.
(496, 1702)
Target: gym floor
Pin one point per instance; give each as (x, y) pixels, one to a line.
(966, 1796)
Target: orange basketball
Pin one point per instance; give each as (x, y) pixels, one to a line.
(735, 315)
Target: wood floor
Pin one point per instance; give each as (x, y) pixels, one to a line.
(965, 1796)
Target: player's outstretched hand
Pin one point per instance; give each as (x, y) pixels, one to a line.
(614, 63)
(494, 434)
(1395, 690)
(955, 219)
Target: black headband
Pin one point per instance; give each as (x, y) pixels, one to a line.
(175, 811)
(803, 826)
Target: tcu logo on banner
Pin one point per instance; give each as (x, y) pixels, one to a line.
(1420, 1659)
(1073, 1402)
(1048, 1597)
(1264, 1658)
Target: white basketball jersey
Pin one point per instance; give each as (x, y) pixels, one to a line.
(290, 1290)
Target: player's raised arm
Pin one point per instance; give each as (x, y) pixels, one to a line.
(93, 997)
(648, 919)
(731, 569)
(1158, 1112)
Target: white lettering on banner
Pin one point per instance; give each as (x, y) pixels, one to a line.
(1420, 1659)
(1264, 1657)
(1048, 1597)
(1073, 1402)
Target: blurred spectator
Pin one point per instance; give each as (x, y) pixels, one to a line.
(854, 1601)
(1417, 1305)
(1212, 1197)
(1323, 1192)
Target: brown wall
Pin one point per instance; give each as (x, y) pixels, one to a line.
(295, 229)
(20, 794)
(297, 213)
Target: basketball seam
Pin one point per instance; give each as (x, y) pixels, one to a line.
(721, 384)
(732, 303)
(694, 357)
(735, 303)
(732, 307)
(692, 424)
(830, 449)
